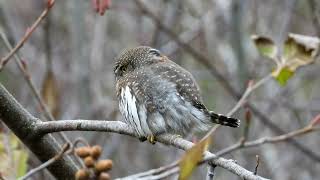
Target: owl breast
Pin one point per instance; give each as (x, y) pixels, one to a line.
(134, 113)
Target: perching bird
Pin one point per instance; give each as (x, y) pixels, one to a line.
(158, 96)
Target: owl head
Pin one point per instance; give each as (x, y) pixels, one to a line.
(132, 59)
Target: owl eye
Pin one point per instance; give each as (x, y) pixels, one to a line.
(123, 68)
(155, 52)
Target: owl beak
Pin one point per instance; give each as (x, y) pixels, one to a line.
(117, 73)
(163, 58)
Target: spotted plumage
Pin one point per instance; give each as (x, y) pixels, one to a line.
(158, 96)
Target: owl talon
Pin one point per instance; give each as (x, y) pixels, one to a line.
(151, 139)
(142, 138)
(177, 136)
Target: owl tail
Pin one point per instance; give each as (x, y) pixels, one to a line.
(224, 120)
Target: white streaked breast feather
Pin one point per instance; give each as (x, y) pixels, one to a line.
(128, 107)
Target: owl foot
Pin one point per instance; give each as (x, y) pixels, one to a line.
(142, 138)
(177, 136)
(151, 139)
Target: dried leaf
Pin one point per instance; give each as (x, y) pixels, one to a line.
(191, 158)
(265, 46)
(298, 51)
(50, 93)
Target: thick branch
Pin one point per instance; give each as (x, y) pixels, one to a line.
(122, 128)
(84, 125)
(34, 133)
(23, 125)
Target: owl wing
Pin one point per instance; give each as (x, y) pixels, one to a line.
(189, 90)
(185, 83)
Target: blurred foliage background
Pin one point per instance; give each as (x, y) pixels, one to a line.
(70, 58)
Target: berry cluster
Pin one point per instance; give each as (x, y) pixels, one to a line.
(94, 169)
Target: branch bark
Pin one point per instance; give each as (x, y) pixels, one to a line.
(23, 124)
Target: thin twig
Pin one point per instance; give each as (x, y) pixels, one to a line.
(210, 171)
(247, 92)
(241, 101)
(265, 140)
(256, 168)
(47, 163)
(30, 30)
(24, 69)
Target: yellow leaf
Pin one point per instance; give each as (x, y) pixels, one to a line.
(265, 46)
(191, 158)
(50, 93)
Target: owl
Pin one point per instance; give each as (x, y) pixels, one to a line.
(158, 96)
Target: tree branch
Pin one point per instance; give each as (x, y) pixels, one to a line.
(22, 124)
(264, 140)
(47, 163)
(34, 133)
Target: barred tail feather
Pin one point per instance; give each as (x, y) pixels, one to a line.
(224, 120)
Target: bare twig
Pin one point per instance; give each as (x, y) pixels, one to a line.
(47, 163)
(256, 168)
(276, 139)
(250, 88)
(248, 91)
(210, 172)
(30, 30)
(172, 46)
(24, 69)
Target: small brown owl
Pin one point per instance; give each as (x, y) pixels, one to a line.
(158, 96)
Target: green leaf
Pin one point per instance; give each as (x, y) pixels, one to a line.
(21, 158)
(14, 164)
(191, 158)
(265, 46)
(283, 75)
